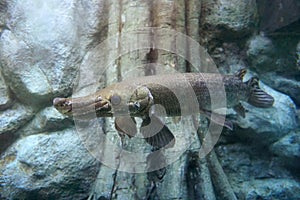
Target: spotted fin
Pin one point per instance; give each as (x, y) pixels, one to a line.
(241, 73)
(156, 133)
(258, 97)
(126, 125)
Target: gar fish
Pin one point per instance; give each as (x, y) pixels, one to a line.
(136, 98)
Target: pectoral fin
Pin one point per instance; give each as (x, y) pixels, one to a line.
(156, 133)
(126, 125)
(218, 119)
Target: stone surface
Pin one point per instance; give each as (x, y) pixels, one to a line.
(277, 189)
(275, 14)
(10, 121)
(268, 53)
(37, 63)
(289, 86)
(263, 125)
(46, 41)
(5, 99)
(243, 162)
(261, 53)
(288, 149)
(26, 80)
(298, 55)
(231, 18)
(3, 13)
(15, 117)
(276, 59)
(255, 174)
(47, 167)
(48, 119)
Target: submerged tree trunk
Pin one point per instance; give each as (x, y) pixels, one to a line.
(164, 52)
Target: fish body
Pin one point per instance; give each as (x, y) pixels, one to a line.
(136, 96)
(178, 94)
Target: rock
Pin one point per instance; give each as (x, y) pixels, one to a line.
(5, 100)
(254, 173)
(40, 52)
(231, 18)
(275, 14)
(27, 81)
(243, 162)
(55, 166)
(39, 64)
(268, 125)
(289, 86)
(298, 116)
(298, 55)
(288, 149)
(13, 118)
(277, 66)
(277, 189)
(49, 119)
(261, 53)
(3, 12)
(6, 139)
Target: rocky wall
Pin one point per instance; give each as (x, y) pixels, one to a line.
(44, 46)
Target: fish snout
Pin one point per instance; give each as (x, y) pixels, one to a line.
(63, 105)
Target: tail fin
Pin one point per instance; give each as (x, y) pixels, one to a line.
(258, 97)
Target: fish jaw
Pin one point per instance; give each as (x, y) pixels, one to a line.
(83, 106)
(108, 102)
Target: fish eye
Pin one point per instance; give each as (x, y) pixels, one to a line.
(115, 99)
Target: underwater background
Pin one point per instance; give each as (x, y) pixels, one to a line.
(45, 45)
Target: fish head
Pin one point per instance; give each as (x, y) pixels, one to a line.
(140, 101)
(127, 99)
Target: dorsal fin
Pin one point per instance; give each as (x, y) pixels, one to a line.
(241, 73)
